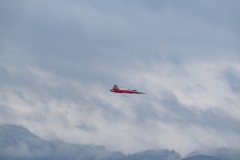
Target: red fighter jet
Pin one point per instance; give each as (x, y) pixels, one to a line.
(115, 89)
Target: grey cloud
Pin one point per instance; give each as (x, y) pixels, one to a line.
(92, 42)
(233, 78)
(145, 111)
(66, 42)
(214, 118)
(86, 127)
(182, 115)
(6, 113)
(18, 143)
(5, 76)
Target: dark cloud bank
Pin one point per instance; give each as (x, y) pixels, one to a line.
(17, 143)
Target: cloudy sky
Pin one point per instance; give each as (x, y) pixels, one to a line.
(59, 59)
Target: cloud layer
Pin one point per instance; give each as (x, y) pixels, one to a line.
(59, 59)
(16, 142)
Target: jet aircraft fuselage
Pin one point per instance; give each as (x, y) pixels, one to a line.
(115, 89)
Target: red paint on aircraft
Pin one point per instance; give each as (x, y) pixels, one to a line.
(115, 89)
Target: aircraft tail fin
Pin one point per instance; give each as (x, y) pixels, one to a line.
(115, 86)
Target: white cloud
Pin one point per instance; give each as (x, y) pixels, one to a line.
(57, 72)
